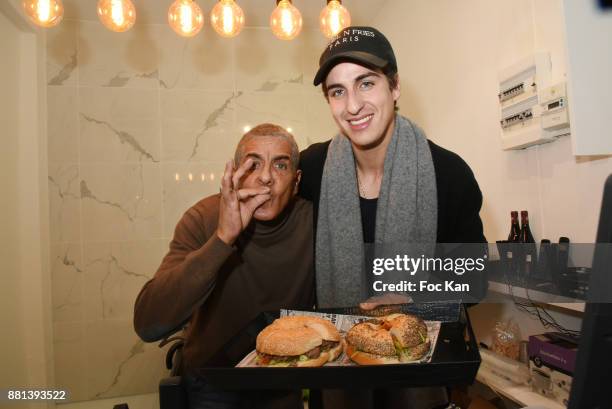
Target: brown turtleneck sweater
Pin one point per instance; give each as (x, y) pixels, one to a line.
(221, 288)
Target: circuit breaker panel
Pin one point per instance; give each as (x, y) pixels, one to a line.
(532, 112)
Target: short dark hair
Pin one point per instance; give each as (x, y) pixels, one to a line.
(390, 74)
(268, 129)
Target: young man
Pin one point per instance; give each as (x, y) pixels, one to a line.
(234, 255)
(379, 181)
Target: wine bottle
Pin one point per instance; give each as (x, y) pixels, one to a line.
(528, 248)
(515, 229)
(511, 246)
(562, 263)
(545, 262)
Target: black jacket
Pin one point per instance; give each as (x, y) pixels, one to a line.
(459, 197)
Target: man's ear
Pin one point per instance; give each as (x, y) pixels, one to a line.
(396, 91)
(298, 177)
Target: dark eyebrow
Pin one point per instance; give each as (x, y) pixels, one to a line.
(253, 155)
(357, 79)
(366, 75)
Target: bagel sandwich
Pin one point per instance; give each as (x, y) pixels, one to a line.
(396, 338)
(298, 341)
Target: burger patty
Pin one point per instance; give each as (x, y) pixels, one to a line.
(313, 353)
(327, 345)
(292, 359)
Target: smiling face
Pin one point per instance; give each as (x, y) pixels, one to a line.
(272, 167)
(362, 103)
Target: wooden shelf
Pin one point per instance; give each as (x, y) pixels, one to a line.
(537, 296)
(521, 394)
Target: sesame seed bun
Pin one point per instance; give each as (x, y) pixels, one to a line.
(287, 341)
(408, 330)
(326, 329)
(371, 338)
(300, 338)
(392, 339)
(365, 358)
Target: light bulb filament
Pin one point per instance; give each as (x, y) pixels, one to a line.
(117, 12)
(228, 19)
(334, 21)
(43, 10)
(186, 18)
(286, 21)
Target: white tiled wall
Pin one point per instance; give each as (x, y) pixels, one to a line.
(140, 125)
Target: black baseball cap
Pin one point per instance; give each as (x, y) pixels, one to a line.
(359, 44)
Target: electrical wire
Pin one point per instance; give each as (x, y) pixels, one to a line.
(532, 308)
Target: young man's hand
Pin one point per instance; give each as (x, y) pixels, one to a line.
(386, 299)
(237, 205)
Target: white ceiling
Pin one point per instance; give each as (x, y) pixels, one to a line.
(257, 12)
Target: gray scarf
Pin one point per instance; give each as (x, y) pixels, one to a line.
(406, 215)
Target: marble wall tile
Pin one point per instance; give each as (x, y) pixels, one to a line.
(319, 121)
(62, 54)
(70, 356)
(119, 124)
(204, 62)
(184, 184)
(284, 109)
(62, 124)
(115, 273)
(120, 202)
(265, 63)
(119, 363)
(110, 59)
(67, 283)
(313, 45)
(196, 123)
(64, 202)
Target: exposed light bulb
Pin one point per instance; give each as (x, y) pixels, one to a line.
(185, 17)
(44, 13)
(117, 15)
(227, 18)
(333, 18)
(286, 20)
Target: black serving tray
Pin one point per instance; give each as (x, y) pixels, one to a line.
(455, 360)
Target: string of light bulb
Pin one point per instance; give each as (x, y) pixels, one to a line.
(185, 17)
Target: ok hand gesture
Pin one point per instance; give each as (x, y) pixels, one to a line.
(237, 205)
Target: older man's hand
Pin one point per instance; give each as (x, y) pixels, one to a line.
(237, 205)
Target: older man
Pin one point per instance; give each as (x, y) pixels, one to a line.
(234, 255)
